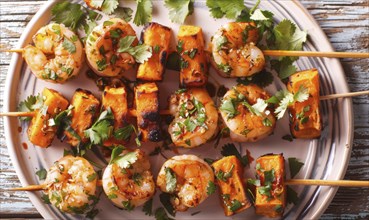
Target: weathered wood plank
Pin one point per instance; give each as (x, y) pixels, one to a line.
(344, 22)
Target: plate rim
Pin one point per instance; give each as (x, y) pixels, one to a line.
(10, 91)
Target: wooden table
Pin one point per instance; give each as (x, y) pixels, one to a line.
(346, 23)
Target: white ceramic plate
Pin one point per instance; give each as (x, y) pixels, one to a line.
(326, 158)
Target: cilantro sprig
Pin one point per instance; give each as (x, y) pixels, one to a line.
(179, 10)
(143, 12)
(102, 129)
(140, 53)
(30, 104)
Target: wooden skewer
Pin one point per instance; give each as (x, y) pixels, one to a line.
(309, 182)
(350, 94)
(315, 54)
(18, 114)
(39, 187)
(283, 53)
(343, 183)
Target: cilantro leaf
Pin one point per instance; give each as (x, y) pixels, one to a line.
(230, 149)
(30, 104)
(231, 9)
(235, 205)
(170, 179)
(210, 189)
(69, 14)
(124, 13)
(102, 128)
(109, 6)
(165, 199)
(140, 53)
(124, 133)
(126, 160)
(147, 207)
(115, 154)
(289, 36)
(95, 3)
(42, 173)
(294, 165)
(143, 13)
(179, 10)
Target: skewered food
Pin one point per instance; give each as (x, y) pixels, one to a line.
(305, 119)
(57, 55)
(270, 199)
(116, 100)
(233, 50)
(248, 118)
(229, 172)
(147, 107)
(102, 48)
(193, 64)
(86, 108)
(40, 132)
(196, 118)
(132, 185)
(158, 37)
(70, 184)
(186, 177)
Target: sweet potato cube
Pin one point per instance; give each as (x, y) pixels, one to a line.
(270, 198)
(305, 119)
(116, 100)
(158, 37)
(84, 113)
(39, 132)
(230, 185)
(193, 64)
(54, 101)
(147, 108)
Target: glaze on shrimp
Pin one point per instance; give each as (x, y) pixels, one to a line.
(57, 54)
(196, 118)
(102, 48)
(244, 122)
(192, 177)
(233, 50)
(71, 184)
(129, 187)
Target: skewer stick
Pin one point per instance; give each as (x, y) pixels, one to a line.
(342, 95)
(315, 54)
(39, 187)
(18, 114)
(13, 50)
(343, 183)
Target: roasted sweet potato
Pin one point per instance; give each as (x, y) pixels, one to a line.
(116, 100)
(84, 113)
(229, 172)
(158, 37)
(147, 108)
(39, 132)
(270, 199)
(193, 64)
(305, 119)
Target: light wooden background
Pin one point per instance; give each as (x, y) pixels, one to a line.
(346, 23)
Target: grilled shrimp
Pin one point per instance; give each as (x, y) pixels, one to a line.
(129, 187)
(71, 184)
(245, 122)
(233, 50)
(191, 176)
(102, 48)
(196, 118)
(57, 55)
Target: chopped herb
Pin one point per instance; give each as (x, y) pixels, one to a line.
(170, 179)
(42, 173)
(254, 182)
(228, 106)
(91, 177)
(188, 142)
(278, 208)
(127, 205)
(190, 125)
(292, 196)
(101, 64)
(183, 64)
(220, 42)
(180, 46)
(69, 46)
(294, 165)
(107, 23)
(192, 53)
(265, 190)
(223, 176)
(45, 199)
(156, 49)
(267, 122)
(226, 197)
(124, 133)
(112, 196)
(235, 205)
(160, 214)
(210, 189)
(165, 200)
(101, 130)
(68, 70)
(115, 33)
(224, 67)
(269, 176)
(209, 161)
(113, 59)
(137, 178)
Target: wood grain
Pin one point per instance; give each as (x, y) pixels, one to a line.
(344, 22)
